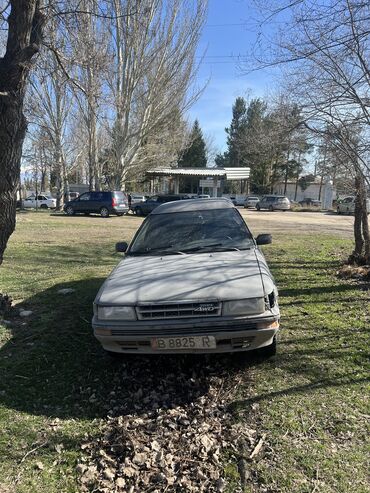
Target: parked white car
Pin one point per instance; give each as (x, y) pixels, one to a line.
(251, 201)
(273, 203)
(136, 198)
(347, 206)
(39, 201)
(193, 280)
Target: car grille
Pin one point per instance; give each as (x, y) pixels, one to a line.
(179, 310)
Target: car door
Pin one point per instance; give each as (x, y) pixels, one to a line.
(29, 202)
(82, 204)
(263, 203)
(348, 205)
(97, 201)
(150, 204)
(41, 200)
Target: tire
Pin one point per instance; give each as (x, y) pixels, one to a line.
(138, 211)
(271, 209)
(87, 213)
(268, 351)
(104, 212)
(43, 206)
(258, 207)
(119, 214)
(338, 210)
(70, 211)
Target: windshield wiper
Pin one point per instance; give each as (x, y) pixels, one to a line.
(218, 247)
(201, 247)
(165, 250)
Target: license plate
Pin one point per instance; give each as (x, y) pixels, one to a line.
(184, 343)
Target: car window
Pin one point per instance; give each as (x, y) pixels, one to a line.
(85, 196)
(120, 196)
(96, 196)
(200, 230)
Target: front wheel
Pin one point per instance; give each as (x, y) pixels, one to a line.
(70, 211)
(268, 351)
(271, 209)
(258, 207)
(104, 212)
(338, 210)
(138, 211)
(43, 206)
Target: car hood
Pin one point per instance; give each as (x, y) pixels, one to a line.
(194, 277)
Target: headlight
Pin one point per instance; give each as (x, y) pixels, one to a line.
(249, 306)
(116, 313)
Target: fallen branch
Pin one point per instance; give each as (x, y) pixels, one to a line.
(258, 447)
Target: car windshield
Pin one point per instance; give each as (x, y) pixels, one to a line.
(192, 231)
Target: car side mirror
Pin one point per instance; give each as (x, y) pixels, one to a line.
(121, 246)
(264, 239)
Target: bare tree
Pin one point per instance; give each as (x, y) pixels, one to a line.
(325, 46)
(50, 107)
(154, 67)
(90, 60)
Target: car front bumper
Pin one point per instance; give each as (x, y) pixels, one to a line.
(231, 335)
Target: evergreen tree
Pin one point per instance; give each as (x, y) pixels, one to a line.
(236, 154)
(195, 155)
(222, 160)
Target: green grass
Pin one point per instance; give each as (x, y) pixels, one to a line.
(311, 401)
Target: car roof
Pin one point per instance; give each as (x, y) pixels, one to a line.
(193, 205)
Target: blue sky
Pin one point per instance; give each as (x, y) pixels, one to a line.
(228, 33)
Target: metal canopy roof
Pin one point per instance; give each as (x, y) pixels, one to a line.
(228, 173)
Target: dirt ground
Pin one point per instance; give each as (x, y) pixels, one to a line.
(305, 222)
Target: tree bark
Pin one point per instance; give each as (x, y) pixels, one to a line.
(25, 24)
(361, 253)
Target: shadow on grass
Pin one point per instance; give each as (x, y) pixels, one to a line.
(319, 290)
(324, 383)
(53, 365)
(327, 264)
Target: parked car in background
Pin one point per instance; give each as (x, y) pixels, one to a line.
(39, 201)
(103, 203)
(273, 203)
(145, 208)
(193, 280)
(251, 201)
(347, 205)
(204, 196)
(236, 199)
(137, 198)
(308, 202)
(73, 195)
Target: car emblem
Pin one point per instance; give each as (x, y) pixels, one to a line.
(205, 308)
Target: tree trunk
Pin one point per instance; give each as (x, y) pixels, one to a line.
(24, 36)
(12, 132)
(361, 253)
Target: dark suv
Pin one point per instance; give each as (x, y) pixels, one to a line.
(103, 203)
(145, 208)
